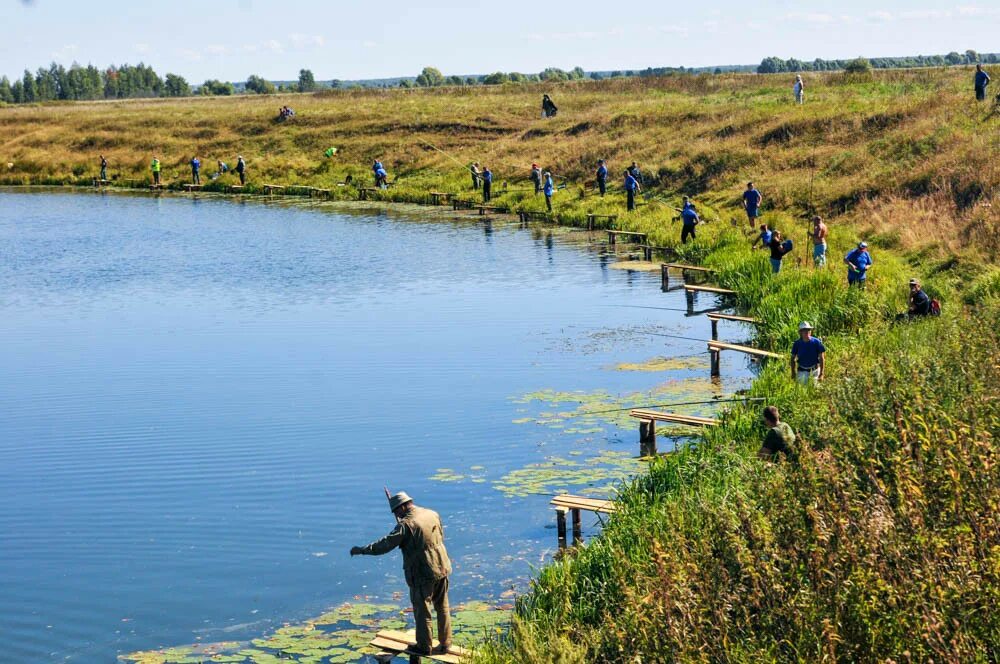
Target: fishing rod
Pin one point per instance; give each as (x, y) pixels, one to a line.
(639, 306)
(670, 405)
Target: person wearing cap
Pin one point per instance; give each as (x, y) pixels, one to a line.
(858, 261)
(536, 178)
(920, 302)
(689, 219)
(241, 169)
(818, 235)
(779, 438)
(602, 177)
(808, 356)
(426, 566)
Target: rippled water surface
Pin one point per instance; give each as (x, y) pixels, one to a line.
(202, 400)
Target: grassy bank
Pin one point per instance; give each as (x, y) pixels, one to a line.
(882, 542)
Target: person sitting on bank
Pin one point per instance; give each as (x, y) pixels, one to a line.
(419, 535)
(549, 109)
(222, 167)
(808, 356)
(920, 302)
(764, 237)
(779, 438)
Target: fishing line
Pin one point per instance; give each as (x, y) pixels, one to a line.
(670, 405)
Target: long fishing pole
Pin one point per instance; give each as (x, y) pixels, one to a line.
(670, 405)
(464, 166)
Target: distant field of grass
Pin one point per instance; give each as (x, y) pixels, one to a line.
(882, 542)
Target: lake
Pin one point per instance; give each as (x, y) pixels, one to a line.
(203, 399)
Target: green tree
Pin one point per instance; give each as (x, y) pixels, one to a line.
(577, 74)
(430, 77)
(496, 78)
(858, 65)
(553, 74)
(176, 86)
(971, 57)
(336, 84)
(28, 93)
(455, 80)
(954, 58)
(6, 94)
(307, 83)
(470, 80)
(771, 65)
(258, 85)
(217, 87)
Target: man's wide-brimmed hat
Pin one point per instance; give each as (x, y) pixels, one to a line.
(805, 325)
(400, 499)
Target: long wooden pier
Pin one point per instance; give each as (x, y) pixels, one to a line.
(715, 349)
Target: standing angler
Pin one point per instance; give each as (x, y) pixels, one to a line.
(818, 235)
(155, 167)
(241, 169)
(474, 169)
(419, 535)
(689, 219)
(104, 168)
(602, 177)
(631, 187)
(487, 184)
(536, 178)
(548, 189)
(981, 80)
(808, 356)
(195, 171)
(858, 261)
(751, 202)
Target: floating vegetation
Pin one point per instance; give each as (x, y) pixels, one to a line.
(636, 266)
(683, 363)
(596, 476)
(340, 636)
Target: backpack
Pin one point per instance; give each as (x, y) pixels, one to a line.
(935, 308)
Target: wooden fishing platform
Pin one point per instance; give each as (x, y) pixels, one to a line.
(715, 317)
(235, 189)
(439, 197)
(192, 187)
(487, 209)
(575, 504)
(365, 192)
(666, 267)
(592, 220)
(98, 182)
(272, 188)
(463, 204)
(525, 216)
(316, 192)
(691, 288)
(715, 349)
(647, 426)
(631, 235)
(161, 185)
(394, 644)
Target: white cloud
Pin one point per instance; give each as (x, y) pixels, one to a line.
(971, 10)
(65, 53)
(369, 44)
(880, 15)
(272, 45)
(189, 54)
(216, 49)
(141, 48)
(810, 17)
(301, 41)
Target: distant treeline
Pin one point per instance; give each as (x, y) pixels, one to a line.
(135, 81)
(775, 65)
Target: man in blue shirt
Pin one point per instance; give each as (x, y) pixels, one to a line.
(631, 187)
(487, 183)
(195, 171)
(982, 79)
(689, 219)
(858, 261)
(602, 177)
(808, 356)
(751, 202)
(764, 238)
(547, 190)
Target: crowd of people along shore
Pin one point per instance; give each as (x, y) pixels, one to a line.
(419, 533)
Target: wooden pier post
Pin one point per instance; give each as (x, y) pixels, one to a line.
(716, 356)
(577, 528)
(689, 297)
(561, 526)
(647, 253)
(664, 277)
(647, 438)
(715, 329)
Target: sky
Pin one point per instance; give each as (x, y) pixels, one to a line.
(349, 39)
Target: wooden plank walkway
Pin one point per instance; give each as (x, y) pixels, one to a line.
(647, 426)
(715, 317)
(192, 187)
(715, 349)
(690, 288)
(439, 197)
(574, 505)
(401, 643)
(526, 216)
(638, 237)
(235, 189)
(592, 219)
(365, 192)
(271, 188)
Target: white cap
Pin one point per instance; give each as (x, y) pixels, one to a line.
(862, 245)
(805, 325)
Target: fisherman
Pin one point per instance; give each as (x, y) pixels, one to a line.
(241, 169)
(536, 177)
(548, 189)
(631, 187)
(981, 80)
(764, 237)
(779, 438)
(195, 171)
(808, 356)
(799, 89)
(223, 167)
(689, 220)
(381, 177)
(420, 537)
(636, 173)
(104, 168)
(779, 247)
(818, 235)
(920, 302)
(487, 183)
(858, 261)
(602, 177)
(549, 109)
(155, 167)
(751, 202)
(474, 169)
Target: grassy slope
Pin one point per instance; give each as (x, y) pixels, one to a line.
(883, 541)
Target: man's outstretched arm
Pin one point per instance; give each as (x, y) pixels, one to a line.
(382, 546)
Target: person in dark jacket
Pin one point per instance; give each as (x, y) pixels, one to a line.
(474, 170)
(536, 178)
(631, 188)
(549, 109)
(689, 220)
(241, 169)
(920, 302)
(195, 170)
(104, 168)
(487, 184)
(778, 250)
(602, 177)
(981, 80)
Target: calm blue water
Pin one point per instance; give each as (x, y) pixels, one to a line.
(201, 401)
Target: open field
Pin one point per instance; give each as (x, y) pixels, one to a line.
(882, 541)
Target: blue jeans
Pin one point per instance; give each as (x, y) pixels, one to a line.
(819, 255)
(775, 265)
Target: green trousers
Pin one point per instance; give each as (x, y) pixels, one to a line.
(424, 597)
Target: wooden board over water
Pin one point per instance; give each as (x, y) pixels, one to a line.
(403, 642)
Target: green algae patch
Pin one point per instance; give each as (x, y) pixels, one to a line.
(688, 363)
(636, 266)
(339, 636)
(596, 476)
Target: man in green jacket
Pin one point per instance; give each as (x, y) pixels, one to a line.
(779, 438)
(420, 536)
(155, 167)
